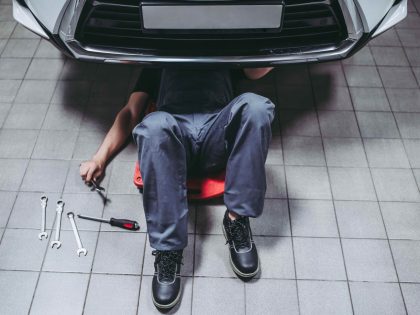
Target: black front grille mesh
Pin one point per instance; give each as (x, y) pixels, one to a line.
(117, 23)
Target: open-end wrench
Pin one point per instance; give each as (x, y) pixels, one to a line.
(44, 200)
(59, 210)
(80, 249)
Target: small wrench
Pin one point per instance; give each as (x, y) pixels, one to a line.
(80, 249)
(59, 210)
(44, 200)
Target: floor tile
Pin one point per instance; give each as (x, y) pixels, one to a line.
(299, 123)
(292, 75)
(22, 250)
(352, 184)
(71, 92)
(119, 253)
(407, 255)
(327, 74)
(319, 258)
(276, 183)
(7, 201)
(402, 220)
(395, 185)
(267, 296)
(212, 257)
(295, 97)
(6, 29)
(276, 257)
(389, 56)
(313, 218)
(47, 69)
(324, 297)
(274, 220)
(376, 298)
(26, 116)
(209, 218)
(364, 76)
(363, 57)
(397, 77)
(65, 258)
(183, 307)
(11, 173)
(9, 89)
(13, 68)
(412, 148)
(303, 151)
(359, 219)
(369, 99)
(345, 152)
(22, 32)
(124, 206)
(17, 143)
(377, 125)
(51, 172)
(275, 152)
(408, 123)
(412, 54)
(411, 292)
(337, 98)
(64, 117)
(338, 124)
(386, 153)
(29, 92)
(51, 145)
(78, 70)
(60, 291)
(187, 260)
(404, 100)
(47, 50)
(20, 48)
(307, 182)
(121, 180)
(27, 210)
(227, 296)
(12, 282)
(368, 260)
(87, 144)
(102, 298)
(4, 111)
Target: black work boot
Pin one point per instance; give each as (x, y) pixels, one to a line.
(242, 250)
(166, 284)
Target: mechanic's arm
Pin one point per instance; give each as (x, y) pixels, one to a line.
(127, 118)
(256, 73)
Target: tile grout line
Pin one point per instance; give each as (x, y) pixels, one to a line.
(330, 185)
(193, 263)
(141, 275)
(377, 197)
(287, 196)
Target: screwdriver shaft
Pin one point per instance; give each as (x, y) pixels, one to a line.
(93, 219)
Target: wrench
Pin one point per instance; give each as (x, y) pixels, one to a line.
(59, 210)
(44, 200)
(80, 249)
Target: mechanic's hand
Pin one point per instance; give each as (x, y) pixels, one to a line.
(92, 169)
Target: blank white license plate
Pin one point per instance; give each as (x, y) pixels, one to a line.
(183, 17)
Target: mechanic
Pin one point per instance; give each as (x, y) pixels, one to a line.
(199, 127)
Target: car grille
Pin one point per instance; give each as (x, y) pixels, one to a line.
(117, 24)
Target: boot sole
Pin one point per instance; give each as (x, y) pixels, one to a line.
(167, 306)
(238, 272)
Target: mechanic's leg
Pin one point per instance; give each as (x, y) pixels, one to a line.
(163, 164)
(241, 134)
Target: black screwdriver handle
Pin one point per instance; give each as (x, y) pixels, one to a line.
(125, 224)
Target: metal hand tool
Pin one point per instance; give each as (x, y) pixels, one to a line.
(59, 210)
(44, 200)
(96, 186)
(80, 249)
(122, 223)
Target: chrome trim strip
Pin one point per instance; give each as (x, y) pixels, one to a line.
(113, 56)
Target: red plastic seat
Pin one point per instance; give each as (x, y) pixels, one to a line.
(212, 186)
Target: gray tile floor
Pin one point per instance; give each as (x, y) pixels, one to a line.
(340, 233)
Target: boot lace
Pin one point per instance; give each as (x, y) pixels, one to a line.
(239, 233)
(167, 262)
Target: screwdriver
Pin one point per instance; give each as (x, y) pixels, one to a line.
(121, 223)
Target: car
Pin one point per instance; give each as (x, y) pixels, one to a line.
(227, 32)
